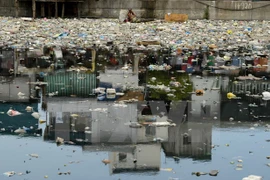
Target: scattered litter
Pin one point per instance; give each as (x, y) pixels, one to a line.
(9, 173)
(59, 141)
(103, 110)
(12, 112)
(36, 115)
(166, 169)
(106, 161)
(253, 177)
(20, 131)
(213, 172)
(199, 173)
(29, 108)
(231, 95)
(34, 155)
(42, 121)
(160, 124)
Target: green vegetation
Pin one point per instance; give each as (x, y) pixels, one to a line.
(164, 78)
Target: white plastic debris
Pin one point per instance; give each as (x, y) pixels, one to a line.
(20, 131)
(162, 124)
(266, 95)
(253, 177)
(9, 173)
(103, 110)
(36, 115)
(12, 112)
(29, 108)
(34, 155)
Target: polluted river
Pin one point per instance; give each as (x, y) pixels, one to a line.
(153, 100)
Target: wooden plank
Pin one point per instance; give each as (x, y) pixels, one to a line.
(63, 10)
(42, 5)
(17, 8)
(78, 9)
(56, 9)
(34, 8)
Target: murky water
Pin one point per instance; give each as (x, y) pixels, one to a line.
(235, 149)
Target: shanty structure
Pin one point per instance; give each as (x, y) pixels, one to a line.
(50, 7)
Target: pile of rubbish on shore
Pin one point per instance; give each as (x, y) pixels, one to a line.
(192, 34)
(218, 44)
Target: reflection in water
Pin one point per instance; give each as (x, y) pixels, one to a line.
(134, 135)
(190, 140)
(22, 121)
(133, 139)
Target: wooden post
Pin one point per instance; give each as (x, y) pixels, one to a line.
(49, 10)
(56, 9)
(34, 8)
(17, 8)
(42, 9)
(63, 9)
(78, 9)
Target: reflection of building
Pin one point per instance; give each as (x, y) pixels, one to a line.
(189, 140)
(143, 157)
(131, 158)
(206, 106)
(249, 104)
(12, 86)
(105, 123)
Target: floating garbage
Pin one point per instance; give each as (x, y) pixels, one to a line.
(199, 92)
(213, 172)
(253, 177)
(34, 155)
(59, 141)
(36, 115)
(161, 124)
(12, 112)
(231, 95)
(41, 121)
(166, 169)
(199, 173)
(106, 161)
(266, 96)
(9, 173)
(29, 108)
(20, 131)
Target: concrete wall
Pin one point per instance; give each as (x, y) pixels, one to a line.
(225, 10)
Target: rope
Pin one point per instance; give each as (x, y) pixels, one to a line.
(200, 2)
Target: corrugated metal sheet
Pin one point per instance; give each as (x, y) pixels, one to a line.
(71, 83)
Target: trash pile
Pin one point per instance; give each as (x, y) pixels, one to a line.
(193, 34)
(195, 43)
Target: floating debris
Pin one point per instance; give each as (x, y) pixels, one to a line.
(36, 115)
(29, 108)
(213, 172)
(9, 173)
(166, 169)
(59, 141)
(199, 173)
(12, 112)
(106, 161)
(20, 131)
(231, 95)
(34, 155)
(253, 177)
